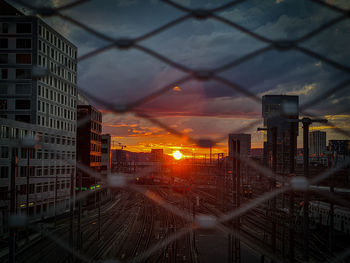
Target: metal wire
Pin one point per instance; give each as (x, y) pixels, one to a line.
(201, 75)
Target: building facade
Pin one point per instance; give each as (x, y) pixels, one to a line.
(317, 143)
(45, 172)
(240, 144)
(341, 147)
(106, 154)
(88, 144)
(38, 82)
(281, 113)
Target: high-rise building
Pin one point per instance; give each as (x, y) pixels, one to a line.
(240, 144)
(157, 155)
(245, 144)
(317, 143)
(36, 104)
(281, 113)
(88, 144)
(106, 154)
(341, 147)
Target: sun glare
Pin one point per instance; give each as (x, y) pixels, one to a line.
(177, 155)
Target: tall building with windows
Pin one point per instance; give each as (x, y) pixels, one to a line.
(38, 82)
(88, 144)
(281, 113)
(106, 154)
(341, 147)
(240, 144)
(317, 143)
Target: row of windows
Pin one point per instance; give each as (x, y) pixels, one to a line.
(60, 140)
(95, 137)
(42, 187)
(56, 124)
(21, 43)
(57, 42)
(56, 55)
(24, 59)
(57, 97)
(20, 88)
(22, 171)
(95, 147)
(94, 159)
(19, 104)
(37, 154)
(20, 73)
(21, 28)
(55, 110)
(58, 70)
(7, 132)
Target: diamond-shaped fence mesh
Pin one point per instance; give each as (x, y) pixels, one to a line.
(219, 219)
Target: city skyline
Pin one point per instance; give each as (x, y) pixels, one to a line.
(217, 110)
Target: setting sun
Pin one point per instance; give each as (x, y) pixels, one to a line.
(177, 155)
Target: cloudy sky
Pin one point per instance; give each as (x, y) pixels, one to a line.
(207, 109)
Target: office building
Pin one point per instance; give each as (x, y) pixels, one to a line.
(88, 144)
(281, 113)
(341, 147)
(157, 155)
(37, 97)
(240, 144)
(245, 144)
(106, 154)
(317, 143)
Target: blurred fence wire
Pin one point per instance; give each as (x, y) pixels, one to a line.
(201, 221)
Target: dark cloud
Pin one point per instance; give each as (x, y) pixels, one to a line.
(122, 76)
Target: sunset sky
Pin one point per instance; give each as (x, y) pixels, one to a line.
(206, 109)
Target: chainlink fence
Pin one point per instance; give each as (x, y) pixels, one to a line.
(213, 220)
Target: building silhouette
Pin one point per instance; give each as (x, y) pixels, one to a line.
(88, 145)
(106, 154)
(240, 144)
(317, 143)
(281, 113)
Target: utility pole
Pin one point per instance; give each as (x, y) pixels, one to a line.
(71, 208)
(13, 184)
(27, 183)
(55, 212)
(99, 214)
(273, 185)
(306, 226)
(27, 189)
(234, 242)
(79, 213)
(292, 143)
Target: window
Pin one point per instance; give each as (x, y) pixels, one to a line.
(3, 88)
(3, 104)
(4, 152)
(4, 73)
(23, 58)
(23, 89)
(22, 104)
(23, 118)
(23, 74)
(4, 43)
(4, 171)
(23, 43)
(23, 28)
(4, 59)
(4, 28)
